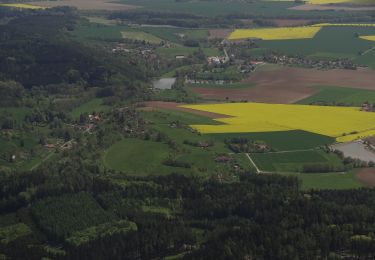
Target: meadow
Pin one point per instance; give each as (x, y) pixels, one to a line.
(336, 181)
(294, 161)
(330, 42)
(330, 95)
(93, 105)
(343, 123)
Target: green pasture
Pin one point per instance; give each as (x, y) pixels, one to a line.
(293, 161)
(339, 95)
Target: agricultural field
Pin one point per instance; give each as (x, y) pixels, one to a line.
(282, 162)
(23, 6)
(286, 33)
(147, 157)
(342, 123)
(368, 37)
(331, 42)
(335, 181)
(327, 95)
(84, 5)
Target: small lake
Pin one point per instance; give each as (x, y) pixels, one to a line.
(164, 83)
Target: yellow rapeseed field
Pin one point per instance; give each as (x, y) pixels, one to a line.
(23, 6)
(369, 37)
(287, 33)
(342, 123)
(282, 33)
(323, 2)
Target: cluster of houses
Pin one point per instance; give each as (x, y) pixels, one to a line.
(312, 63)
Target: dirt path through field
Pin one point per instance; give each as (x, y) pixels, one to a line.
(289, 85)
(366, 176)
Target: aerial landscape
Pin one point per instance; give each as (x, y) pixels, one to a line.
(187, 129)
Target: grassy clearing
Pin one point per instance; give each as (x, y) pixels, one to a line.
(137, 157)
(292, 161)
(337, 95)
(94, 105)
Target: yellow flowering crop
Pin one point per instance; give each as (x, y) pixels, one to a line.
(369, 37)
(323, 2)
(282, 33)
(343, 123)
(23, 6)
(287, 33)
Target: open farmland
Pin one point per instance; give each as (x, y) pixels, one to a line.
(23, 6)
(343, 123)
(368, 37)
(339, 96)
(330, 42)
(294, 161)
(85, 4)
(289, 85)
(282, 33)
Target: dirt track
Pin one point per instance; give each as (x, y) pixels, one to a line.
(86, 4)
(151, 105)
(288, 85)
(366, 176)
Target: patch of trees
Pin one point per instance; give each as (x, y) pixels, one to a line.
(245, 145)
(34, 54)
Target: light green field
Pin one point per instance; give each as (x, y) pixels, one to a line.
(337, 181)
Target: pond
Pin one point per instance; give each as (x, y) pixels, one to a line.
(164, 83)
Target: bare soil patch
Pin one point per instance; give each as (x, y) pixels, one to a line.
(289, 85)
(219, 33)
(153, 105)
(85, 4)
(290, 22)
(311, 7)
(366, 176)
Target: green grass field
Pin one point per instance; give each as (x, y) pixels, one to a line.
(337, 95)
(94, 105)
(292, 161)
(330, 43)
(137, 157)
(283, 140)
